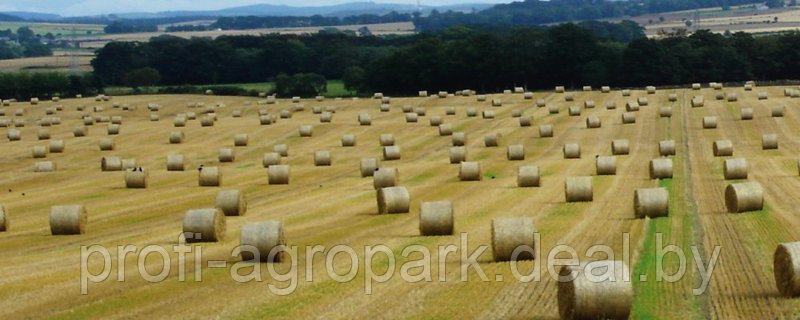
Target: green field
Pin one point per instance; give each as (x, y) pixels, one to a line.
(64, 29)
(335, 88)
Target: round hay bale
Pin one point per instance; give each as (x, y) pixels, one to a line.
(19, 123)
(322, 158)
(651, 202)
(487, 114)
(44, 122)
(204, 225)
(572, 151)
(611, 105)
(734, 169)
(458, 154)
(368, 166)
(5, 221)
(546, 131)
(240, 140)
(511, 233)
(745, 196)
(364, 119)
(592, 122)
(472, 112)
(113, 129)
(207, 121)
(264, 237)
(599, 296)
(697, 102)
(588, 104)
(445, 129)
(436, 218)
(278, 174)
(552, 109)
(628, 117)
(605, 89)
(723, 148)
(231, 202)
(696, 86)
(528, 176)
(762, 96)
(325, 117)
(719, 96)
(34, 101)
(393, 200)
(286, 114)
(227, 155)
(732, 97)
(666, 148)
(306, 130)
(672, 97)
(39, 152)
(709, 122)
(316, 110)
(620, 147)
(746, 113)
(516, 113)
(569, 96)
(128, 164)
(411, 117)
(116, 119)
(56, 146)
(459, 139)
(420, 111)
(136, 178)
(642, 101)
(407, 108)
(574, 111)
(349, 140)
(665, 112)
(423, 94)
(176, 137)
(661, 168)
(209, 177)
(497, 103)
(391, 153)
(179, 122)
(492, 139)
(540, 103)
(786, 265)
(271, 159)
(106, 144)
(281, 149)
(154, 117)
(44, 166)
(606, 165)
(777, 111)
(68, 219)
(13, 135)
(385, 177)
(559, 89)
(175, 162)
(515, 152)
(469, 171)
(525, 121)
(43, 134)
(110, 164)
(578, 189)
(650, 89)
(769, 141)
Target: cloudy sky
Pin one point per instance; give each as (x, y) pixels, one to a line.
(92, 7)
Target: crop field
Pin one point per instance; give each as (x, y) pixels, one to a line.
(743, 18)
(56, 63)
(64, 29)
(334, 205)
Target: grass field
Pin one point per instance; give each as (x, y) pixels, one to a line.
(334, 205)
(65, 29)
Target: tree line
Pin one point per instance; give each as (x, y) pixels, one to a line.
(44, 85)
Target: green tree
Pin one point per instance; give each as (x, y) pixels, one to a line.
(142, 77)
(301, 84)
(353, 78)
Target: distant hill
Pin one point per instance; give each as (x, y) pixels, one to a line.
(22, 15)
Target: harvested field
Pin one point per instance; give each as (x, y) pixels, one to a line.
(336, 204)
(60, 63)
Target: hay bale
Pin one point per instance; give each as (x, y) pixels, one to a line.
(325, 117)
(207, 121)
(661, 168)
(393, 200)
(458, 154)
(611, 105)
(411, 117)
(528, 96)
(116, 119)
(511, 233)
(56, 146)
(488, 114)
(606, 165)
(113, 129)
(322, 158)
(349, 140)
(492, 139)
(672, 97)
(628, 117)
(364, 119)
(175, 162)
(666, 148)
(445, 129)
(106, 144)
(552, 109)
(278, 174)
(769, 141)
(231, 202)
(572, 151)
(385, 177)
(34, 101)
(560, 89)
(709, 122)
(204, 225)
(777, 111)
(472, 112)
(546, 131)
(44, 166)
(210, 177)
(459, 139)
(762, 96)
(665, 112)
(515, 152)
(227, 155)
(697, 102)
(179, 122)
(281, 149)
(391, 153)
(528, 176)
(469, 171)
(723, 148)
(39, 152)
(574, 111)
(270, 159)
(154, 117)
(497, 103)
(19, 123)
(436, 218)
(384, 108)
(540, 103)
(5, 220)
(620, 146)
(136, 178)
(642, 101)
(13, 135)
(420, 111)
(592, 122)
(696, 86)
(631, 106)
(746, 113)
(305, 130)
(569, 96)
(599, 296)
(423, 94)
(368, 166)
(176, 137)
(732, 97)
(605, 89)
(264, 237)
(240, 140)
(734, 169)
(786, 266)
(745, 196)
(68, 219)
(407, 108)
(651, 202)
(588, 104)
(110, 164)
(719, 96)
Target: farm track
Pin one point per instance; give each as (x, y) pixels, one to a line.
(334, 205)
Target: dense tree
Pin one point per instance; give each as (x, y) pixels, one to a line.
(142, 77)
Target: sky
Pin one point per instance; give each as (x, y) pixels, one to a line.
(94, 7)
